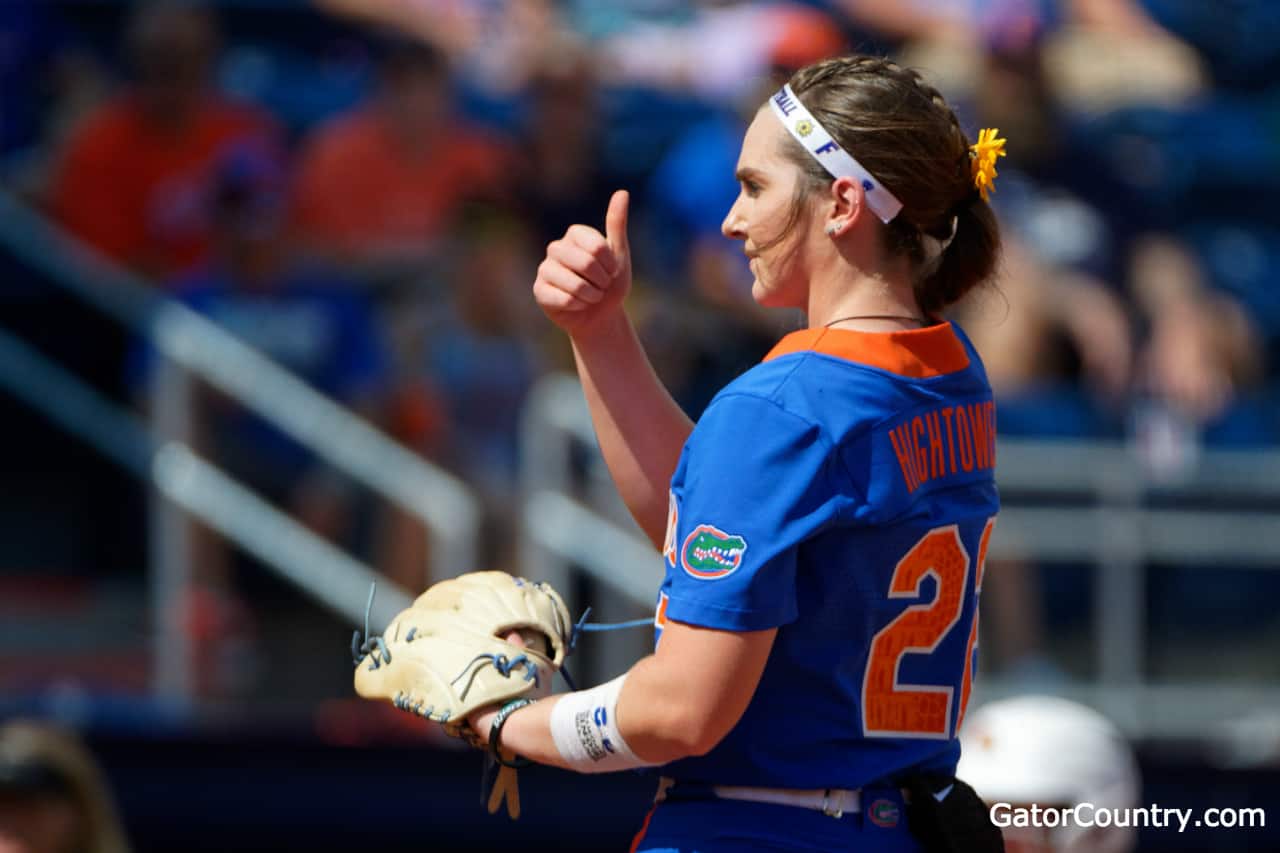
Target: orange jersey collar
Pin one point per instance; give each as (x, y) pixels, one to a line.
(917, 353)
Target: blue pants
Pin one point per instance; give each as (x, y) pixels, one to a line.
(709, 825)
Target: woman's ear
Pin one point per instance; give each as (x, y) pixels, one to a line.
(848, 201)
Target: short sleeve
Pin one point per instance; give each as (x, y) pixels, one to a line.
(754, 481)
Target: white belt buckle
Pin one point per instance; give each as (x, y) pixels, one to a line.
(827, 808)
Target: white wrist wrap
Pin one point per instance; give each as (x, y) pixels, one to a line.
(584, 726)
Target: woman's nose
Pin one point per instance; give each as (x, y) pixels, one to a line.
(731, 227)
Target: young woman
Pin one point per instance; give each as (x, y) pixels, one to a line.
(825, 522)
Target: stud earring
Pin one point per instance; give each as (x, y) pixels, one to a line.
(831, 230)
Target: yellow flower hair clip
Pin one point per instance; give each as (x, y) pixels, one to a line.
(983, 155)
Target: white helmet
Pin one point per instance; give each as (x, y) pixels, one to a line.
(1049, 751)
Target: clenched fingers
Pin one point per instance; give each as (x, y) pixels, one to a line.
(585, 263)
(559, 289)
(592, 241)
(569, 281)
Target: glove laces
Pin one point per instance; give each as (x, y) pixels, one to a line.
(375, 648)
(367, 644)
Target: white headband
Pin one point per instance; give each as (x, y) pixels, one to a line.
(813, 137)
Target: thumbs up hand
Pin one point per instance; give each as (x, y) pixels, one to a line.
(586, 275)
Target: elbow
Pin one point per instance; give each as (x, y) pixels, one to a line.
(688, 735)
(705, 734)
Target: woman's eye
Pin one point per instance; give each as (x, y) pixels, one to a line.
(751, 188)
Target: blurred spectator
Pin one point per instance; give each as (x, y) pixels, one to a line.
(562, 181)
(1240, 40)
(301, 315)
(378, 188)
(315, 325)
(905, 22)
(1053, 753)
(484, 353)
(723, 51)
(1057, 345)
(1092, 70)
(53, 798)
(1202, 348)
(482, 348)
(997, 25)
(497, 44)
(133, 177)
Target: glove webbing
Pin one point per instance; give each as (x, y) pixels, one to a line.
(497, 782)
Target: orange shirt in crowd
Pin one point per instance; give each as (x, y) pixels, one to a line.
(137, 190)
(360, 190)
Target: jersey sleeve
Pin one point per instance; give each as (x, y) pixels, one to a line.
(754, 481)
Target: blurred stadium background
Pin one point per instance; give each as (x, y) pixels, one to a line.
(266, 334)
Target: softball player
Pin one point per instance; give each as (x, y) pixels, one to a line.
(824, 524)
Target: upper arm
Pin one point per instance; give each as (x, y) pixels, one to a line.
(752, 484)
(755, 481)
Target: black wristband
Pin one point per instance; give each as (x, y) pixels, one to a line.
(495, 729)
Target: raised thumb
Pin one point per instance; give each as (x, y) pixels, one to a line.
(615, 225)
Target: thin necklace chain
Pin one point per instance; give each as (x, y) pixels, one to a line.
(918, 321)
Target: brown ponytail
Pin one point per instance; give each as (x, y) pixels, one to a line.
(968, 259)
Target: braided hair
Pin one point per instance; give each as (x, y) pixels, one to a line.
(904, 132)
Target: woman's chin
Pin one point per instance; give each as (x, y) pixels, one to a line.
(761, 293)
(769, 298)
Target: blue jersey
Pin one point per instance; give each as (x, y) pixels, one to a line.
(841, 491)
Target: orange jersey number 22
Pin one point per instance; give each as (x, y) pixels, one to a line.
(889, 707)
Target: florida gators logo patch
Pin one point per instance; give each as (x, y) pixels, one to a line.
(709, 553)
(884, 813)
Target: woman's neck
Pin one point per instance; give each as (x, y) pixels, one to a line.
(868, 302)
(853, 284)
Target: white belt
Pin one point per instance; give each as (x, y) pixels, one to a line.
(833, 802)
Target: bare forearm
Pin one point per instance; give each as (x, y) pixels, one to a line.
(678, 702)
(650, 725)
(640, 427)
(675, 703)
(527, 732)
